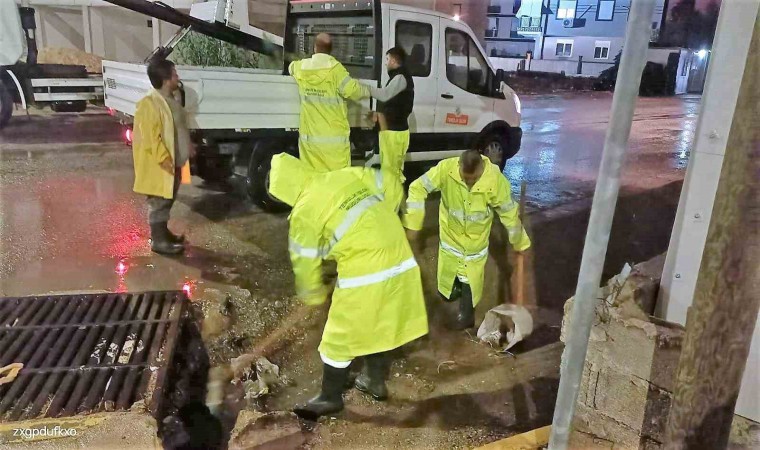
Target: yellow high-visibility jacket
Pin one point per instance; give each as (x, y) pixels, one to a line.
(465, 218)
(378, 303)
(324, 83)
(153, 142)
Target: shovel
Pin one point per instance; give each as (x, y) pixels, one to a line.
(518, 318)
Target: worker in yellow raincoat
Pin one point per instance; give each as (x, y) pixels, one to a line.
(378, 304)
(395, 103)
(472, 189)
(161, 150)
(324, 85)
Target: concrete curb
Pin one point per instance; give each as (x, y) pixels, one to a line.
(15, 151)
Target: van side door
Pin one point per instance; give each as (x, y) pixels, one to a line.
(465, 105)
(417, 34)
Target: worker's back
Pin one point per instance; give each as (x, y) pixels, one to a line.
(323, 84)
(345, 204)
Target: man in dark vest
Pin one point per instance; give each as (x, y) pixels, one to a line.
(395, 102)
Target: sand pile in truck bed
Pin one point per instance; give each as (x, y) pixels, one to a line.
(52, 55)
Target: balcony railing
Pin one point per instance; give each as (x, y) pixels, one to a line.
(494, 9)
(529, 25)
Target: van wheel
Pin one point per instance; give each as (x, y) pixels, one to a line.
(495, 147)
(6, 105)
(257, 181)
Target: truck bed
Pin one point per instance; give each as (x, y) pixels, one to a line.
(222, 98)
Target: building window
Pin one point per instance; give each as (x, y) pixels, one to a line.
(566, 9)
(516, 6)
(564, 48)
(466, 67)
(602, 50)
(416, 39)
(605, 10)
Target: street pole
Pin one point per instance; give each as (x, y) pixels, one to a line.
(721, 321)
(600, 223)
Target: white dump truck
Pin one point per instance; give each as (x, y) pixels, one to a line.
(65, 88)
(241, 117)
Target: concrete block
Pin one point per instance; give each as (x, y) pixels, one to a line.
(590, 421)
(646, 349)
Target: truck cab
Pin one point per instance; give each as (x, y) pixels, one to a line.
(460, 101)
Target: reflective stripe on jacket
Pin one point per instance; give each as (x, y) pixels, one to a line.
(323, 84)
(378, 304)
(465, 218)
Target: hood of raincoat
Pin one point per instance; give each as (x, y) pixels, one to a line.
(316, 70)
(288, 178)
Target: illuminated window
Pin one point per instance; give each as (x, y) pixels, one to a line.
(566, 9)
(605, 10)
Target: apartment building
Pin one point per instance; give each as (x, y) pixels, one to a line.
(563, 30)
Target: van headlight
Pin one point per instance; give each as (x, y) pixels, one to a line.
(518, 104)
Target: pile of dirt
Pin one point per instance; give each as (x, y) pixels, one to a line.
(70, 56)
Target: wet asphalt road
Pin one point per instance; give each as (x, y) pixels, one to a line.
(71, 222)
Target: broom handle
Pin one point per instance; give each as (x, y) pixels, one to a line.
(519, 295)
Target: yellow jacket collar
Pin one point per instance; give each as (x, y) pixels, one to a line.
(319, 61)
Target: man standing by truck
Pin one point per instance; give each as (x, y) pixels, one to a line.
(396, 101)
(324, 85)
(161, 149)
(472, 188)
(378, 303)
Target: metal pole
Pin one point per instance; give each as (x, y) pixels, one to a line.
(602, 211)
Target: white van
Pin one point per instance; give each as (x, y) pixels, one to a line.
(241, 117)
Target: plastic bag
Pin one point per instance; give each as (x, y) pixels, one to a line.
(515, 320)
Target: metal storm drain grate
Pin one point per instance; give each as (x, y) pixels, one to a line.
(86, 353)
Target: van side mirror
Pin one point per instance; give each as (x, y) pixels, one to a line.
(497, 80)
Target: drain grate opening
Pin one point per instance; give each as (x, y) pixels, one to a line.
(87, 353)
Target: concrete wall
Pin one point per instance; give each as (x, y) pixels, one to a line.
(59, 27)
(508, 49)
(630, 368)
(116, 34)
(582, 46)
(570, 68)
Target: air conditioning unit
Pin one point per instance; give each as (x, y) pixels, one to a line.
(568, 23)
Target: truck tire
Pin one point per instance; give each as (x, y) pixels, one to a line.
(257, 181)
(495, 146)
(6, 105)
(213, 169)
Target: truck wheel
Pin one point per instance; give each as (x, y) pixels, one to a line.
(6, 105)
(257, 181)
(213, 169)
(495, 147)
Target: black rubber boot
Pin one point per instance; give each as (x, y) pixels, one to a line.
(372, 379)
(330, 400)
(160, 242)
(466, 316)
(173, 237)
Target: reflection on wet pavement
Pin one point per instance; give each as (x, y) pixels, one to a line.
(563, 139)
